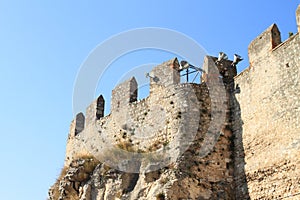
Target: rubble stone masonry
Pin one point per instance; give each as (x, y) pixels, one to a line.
(256, 155)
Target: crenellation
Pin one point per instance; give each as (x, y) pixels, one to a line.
(165, 74)
(263, 44)
(94, 111)
(124, 94)
(161, 112)
(256, 154)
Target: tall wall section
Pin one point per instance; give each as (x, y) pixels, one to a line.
(267, 119)
(177, 119)
(255, 156)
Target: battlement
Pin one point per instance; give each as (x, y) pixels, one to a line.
(167, 74)
(264, 43)
(258, 141)
(124, 94)
(163, 105)
(165, 82)
(95, 111)
(267, 41)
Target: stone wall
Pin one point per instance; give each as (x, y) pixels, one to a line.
(182, 120)
(124, 94)
(255, 156)
(267, 119)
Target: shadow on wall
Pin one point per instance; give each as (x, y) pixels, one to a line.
(240, 179)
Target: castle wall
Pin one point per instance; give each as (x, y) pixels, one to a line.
(255, 156)
(267, 119)
(165, 74)
(124, 94)
(174, 119)
(262, 113)
(260, 46)
(95, 111)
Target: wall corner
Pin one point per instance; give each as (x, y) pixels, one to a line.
(264, 43)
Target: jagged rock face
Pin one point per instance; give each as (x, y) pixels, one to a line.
(72, 178)
(190, 177)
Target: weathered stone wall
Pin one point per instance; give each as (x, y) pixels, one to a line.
(95, 111)
(267, 119)
(176, 118)
(165, 74)
(256, 155)
(260, 46)
(124, 94)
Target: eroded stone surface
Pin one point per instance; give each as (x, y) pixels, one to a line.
(255, 156)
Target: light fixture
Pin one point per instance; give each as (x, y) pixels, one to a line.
(222, 56)
(236, 59)
(184, 65)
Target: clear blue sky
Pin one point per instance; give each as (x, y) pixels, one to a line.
(43, 44)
